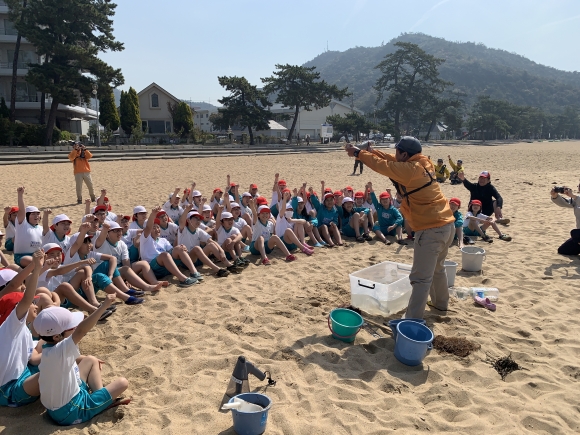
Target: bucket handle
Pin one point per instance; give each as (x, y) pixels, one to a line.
(342, 336)
(366, 286)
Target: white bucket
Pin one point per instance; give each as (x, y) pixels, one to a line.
(451, 269)
(472, 258)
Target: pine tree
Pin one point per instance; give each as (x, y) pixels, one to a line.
(130, 117)
(108, 114)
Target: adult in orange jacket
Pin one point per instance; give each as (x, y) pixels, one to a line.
(82, 169)
(428, 213)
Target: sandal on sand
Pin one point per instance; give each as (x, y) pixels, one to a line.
(234, 269)
(503, 221)
(133, 292)
(197, 276)
(485, 302)
(134, 301)
(119, 401)
(112, 308)
(188, 282)
(222, 273)
(467, 240)
(401, 242)
(367, 237)
(307, 251)
(318, 245)
(266, 262)
(505, 238)
(106, 314)
(388, 242)
(290, 258)
(360, 239)
(487, 239)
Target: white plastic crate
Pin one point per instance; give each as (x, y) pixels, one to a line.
(381, 289)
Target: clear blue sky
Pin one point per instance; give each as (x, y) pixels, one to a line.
(184, 45)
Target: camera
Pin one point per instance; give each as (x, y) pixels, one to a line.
(560, 189)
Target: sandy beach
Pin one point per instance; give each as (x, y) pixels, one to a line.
(179, 348)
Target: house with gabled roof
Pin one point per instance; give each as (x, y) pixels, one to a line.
(155, 116)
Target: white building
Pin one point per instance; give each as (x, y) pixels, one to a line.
(201, 119)
(309, 122)
(74, 119)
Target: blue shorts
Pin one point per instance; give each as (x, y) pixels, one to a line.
(254, 251)
(67, 304)
(18, 257)
(104, 269)
(82, 407)
(348, 231)
(12, 393)
(314, 222)
(160, 271)
(274, 210)
(198, 263)
(133, 254)
(9, 245)
(473, 233)
(290, 246)
(377, 227)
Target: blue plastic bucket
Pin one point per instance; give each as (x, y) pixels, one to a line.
(344, 324)
(393, 325)
(413, 341)
(251, 423)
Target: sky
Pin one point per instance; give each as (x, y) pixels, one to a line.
(184, 45)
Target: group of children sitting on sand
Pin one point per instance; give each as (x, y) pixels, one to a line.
(126, 255)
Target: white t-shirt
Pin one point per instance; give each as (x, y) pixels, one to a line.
(309, 207)
(274, 199)
(51, 237)
(28, 238)
(76, 258)
(75, 236)
(259, 229)
(240, 223)
(10, 230)
(17, 346)
(150, 248)
(369, 206)
(173, 213)
(59, 379)
(128, 238)
(135, 226)
(119, 251)
(215, 202)
(209, 224)
(192, 239)
(170, 233)
(111, 217)
(395, 203)
(222, 234)
(247, 211)
(282, 225)
(479, 216)
(50, 283)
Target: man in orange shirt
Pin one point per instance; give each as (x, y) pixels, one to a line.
(427, 212)
(82, 169)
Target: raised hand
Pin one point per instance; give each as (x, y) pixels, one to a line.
(295, 191)
(104, 192)
(20, 190)
(203, 200)
(88, 201)
(461, 175)
(106, 226)
(90, 261)
(86, 226)
(38, 258)
(47, 211)
(156, 209)
(7, 209)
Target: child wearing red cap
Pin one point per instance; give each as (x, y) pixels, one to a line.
(28, 234)
(359, 207)
(277, 188)
(253, 190)
(455, 205)
(352, 223)
(216, 200)
(104, 200)
(240, 223)
(327, 215)
(476, 223)
(18, 358)
(389, 219)
(263, 239)
(300, 204)
(289, 229)
(10, 214)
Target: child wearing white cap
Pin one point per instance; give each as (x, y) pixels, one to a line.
(192, 237)
(18, 384)
(172, 207)
(9, 218)
(168, 229)
(299, 205)
(58, 231)
(246, 210)
(352, 221)
(28, 234)
(130, 237)
(71, 387)
(163, 258)
(236, 210)
(263, 239)
(114, 246)
(286, 224)
(139, 218)
(229, 237)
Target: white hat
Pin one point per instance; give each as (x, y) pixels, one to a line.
(247, 194)
(32, 209)
(232, 199)
(234, 205)
(347, 199)
(196, 193)
(61, 218)
(114, 226)
(55, 320)
(1, 233)
(227, 215)
(263, 209)
(300, 199)
(171, 195)
(6, 275)
(289, 206)
(51, 246)
(193, 213)
(206, 207)
(139, 209)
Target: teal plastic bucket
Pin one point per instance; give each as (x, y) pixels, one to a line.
(413, 342)
(344, 324)
(251, 423)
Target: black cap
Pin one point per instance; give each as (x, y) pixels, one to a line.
(409, 145)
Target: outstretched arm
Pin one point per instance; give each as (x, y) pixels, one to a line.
(252, 203)
(31, 284)
(45, 224)
(151, 221)
(21, 206)
(5, 217)
(218, 218)
(183, 217)
(85, 226)
(103, 235)
(88, 206)
(90, 322)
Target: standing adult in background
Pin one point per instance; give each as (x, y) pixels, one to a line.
(82, 169)
(572, 245)
(428, 213)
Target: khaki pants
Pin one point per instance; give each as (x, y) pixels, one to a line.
(428, 276)
(86, 176)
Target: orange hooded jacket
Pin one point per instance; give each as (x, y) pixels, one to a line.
(424, 209)
(80, 165)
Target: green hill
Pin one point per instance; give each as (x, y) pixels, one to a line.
(474, 68)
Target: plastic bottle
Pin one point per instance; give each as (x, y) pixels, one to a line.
(461, 292)
(491, 293)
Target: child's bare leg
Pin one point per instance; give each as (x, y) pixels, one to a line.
(247, 232)
(135, 280)
(380, 236)
(459, 235)
(117, 387)
(81, 280)
(291, 238)
(120, 284)
(364, 223)
(325, 235)
(66, 291)
(299, 231)
(317, 237)
(370, 222)
(275, 241)
(355, 223)
(25, 261)
(185, 259)
(229, 247)
(238, 248)
(336, 233)
(495, 228)
(474, 226)
(90, 372)
(165, 260)
(214, 249)
(15, 267)
(399, 231)
(259, 245)
(198, 254)
(144, 269)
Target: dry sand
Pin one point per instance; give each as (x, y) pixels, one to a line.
(178, 349)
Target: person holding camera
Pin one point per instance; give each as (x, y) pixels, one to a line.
(82, 169)
(572, 245)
